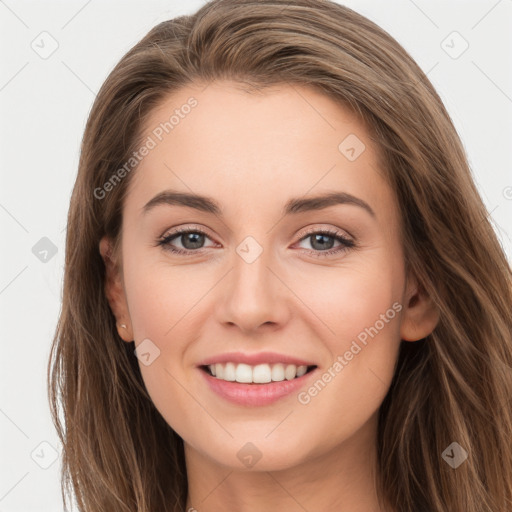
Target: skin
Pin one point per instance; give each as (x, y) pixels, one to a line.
(252, 153)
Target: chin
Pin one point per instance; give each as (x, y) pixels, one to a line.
(257, 455)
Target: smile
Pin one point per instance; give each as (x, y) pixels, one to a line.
(257, 394)
(256, 374)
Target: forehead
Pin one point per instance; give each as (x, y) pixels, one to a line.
(257, 148)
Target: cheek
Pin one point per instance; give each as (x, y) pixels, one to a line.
(161, 302)
(360, 305)
(361, 308)
(364, 316)
(161, 299)
(351, 298)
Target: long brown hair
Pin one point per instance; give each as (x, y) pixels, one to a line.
(119, 455)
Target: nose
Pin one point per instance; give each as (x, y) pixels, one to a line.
(254, 295)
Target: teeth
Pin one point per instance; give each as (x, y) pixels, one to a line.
(243, 373)
(229, 372)
(258, 374)
(261, 374)
(301, 370)
(277, 372)
(219, 371)
(290, 372)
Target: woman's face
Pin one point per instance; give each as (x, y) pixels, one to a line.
(257, 276)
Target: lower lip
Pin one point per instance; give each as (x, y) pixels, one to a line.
(255, 394)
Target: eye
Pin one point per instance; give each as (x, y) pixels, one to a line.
(322, 242)
(191, 240)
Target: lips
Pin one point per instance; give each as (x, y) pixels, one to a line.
(252, 394)
(255, 359)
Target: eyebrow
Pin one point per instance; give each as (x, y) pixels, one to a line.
(292, 206)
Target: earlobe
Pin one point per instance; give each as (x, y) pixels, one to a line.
(420, 315)
(125, 332)
(114, 291)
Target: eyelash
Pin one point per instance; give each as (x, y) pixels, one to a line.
(346, 243)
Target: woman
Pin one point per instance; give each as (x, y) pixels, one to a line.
(282, 289)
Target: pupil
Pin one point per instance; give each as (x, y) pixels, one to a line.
(196, 239)
(321, 238)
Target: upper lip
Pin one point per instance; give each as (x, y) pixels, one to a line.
(254, 359)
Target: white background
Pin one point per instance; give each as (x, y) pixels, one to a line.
(44, 104)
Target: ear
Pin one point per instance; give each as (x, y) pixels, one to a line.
(114, 290)
(420, 315)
